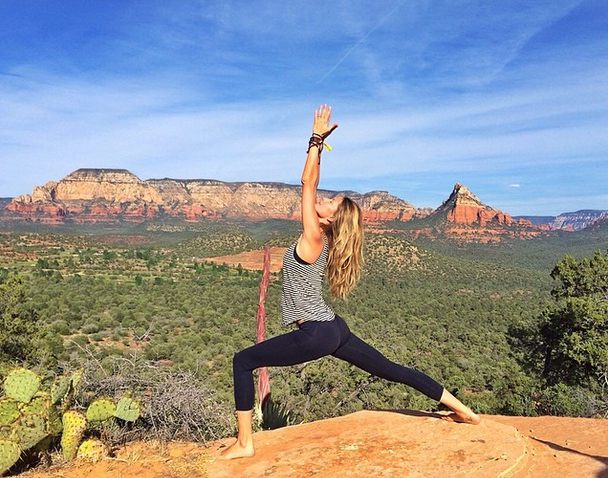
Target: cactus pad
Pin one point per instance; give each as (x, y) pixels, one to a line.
(5, 432)
(74, 425)
(29, 430)
(54, 426)
(76, 376)
(93, 450)
(101, 409)
(127, 409)
(21, 384)
(9, 411)
(60, 388)
(9, 454)
(39, 405)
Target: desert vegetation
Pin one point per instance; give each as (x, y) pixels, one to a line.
(512, 328)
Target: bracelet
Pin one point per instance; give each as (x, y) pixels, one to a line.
(315, 140)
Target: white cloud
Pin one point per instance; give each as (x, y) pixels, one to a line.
(490, 95)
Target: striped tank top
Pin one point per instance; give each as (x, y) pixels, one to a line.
(301, 293)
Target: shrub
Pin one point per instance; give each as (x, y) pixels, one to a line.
(175, 405)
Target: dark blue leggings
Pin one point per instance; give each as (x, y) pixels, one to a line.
(313, 340)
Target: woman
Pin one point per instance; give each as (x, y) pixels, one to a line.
(331, 242)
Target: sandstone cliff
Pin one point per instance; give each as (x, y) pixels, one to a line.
(115, 195)
(464, 216)
(575, 221)
(89, 195)
(112, 195)
(463, 207)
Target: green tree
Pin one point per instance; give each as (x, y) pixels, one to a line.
(19, 325)
(574, 330)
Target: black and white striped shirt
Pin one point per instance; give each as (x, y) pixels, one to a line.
(301, 293)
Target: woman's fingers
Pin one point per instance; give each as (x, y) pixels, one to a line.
(324, 112)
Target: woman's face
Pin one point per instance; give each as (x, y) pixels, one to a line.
(326, 207)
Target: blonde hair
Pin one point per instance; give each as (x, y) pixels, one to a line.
(345, 254)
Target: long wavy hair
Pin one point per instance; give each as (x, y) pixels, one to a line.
(345, 251)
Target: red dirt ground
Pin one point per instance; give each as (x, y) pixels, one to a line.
(377, 443)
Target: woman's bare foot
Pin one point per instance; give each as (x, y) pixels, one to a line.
(460, 412)
(243, 446)
(238, 450)
(471, 419)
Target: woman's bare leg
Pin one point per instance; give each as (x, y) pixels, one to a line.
(460, 412)
(243, 447)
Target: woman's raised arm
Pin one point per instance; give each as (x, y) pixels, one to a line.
(310, 244)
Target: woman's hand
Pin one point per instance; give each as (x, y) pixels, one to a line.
(320, 124)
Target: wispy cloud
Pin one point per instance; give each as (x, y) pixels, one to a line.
(427, 94)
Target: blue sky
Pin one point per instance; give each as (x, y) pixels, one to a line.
(509, 98)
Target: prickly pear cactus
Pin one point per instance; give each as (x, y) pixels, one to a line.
(64, 390)
(21, 384)
(39, 405)
(76, 376)
(28, 430)
(9, 454)
(74, 425)
(32, 416)
(93, 450)
(9, 411)
(127, 409)
(54, 425)
(101, 409)
(60, 388)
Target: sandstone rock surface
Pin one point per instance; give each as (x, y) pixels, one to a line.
(371, 444)
(367, 444)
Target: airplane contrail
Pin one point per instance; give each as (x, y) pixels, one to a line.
(361, 40)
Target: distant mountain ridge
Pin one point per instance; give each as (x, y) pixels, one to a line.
(113, 195)
(578, 220)
(570, 221)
